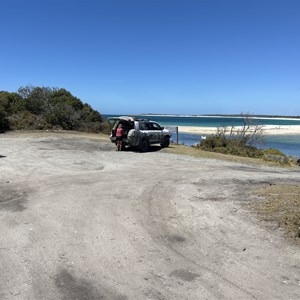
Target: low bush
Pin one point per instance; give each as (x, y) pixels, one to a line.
(273, 151)
(28, 121)
(241, 141)
(4, 124)
(229, 146)
(95, 127)
(213, 143)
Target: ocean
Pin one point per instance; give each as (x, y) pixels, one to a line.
(288, 144)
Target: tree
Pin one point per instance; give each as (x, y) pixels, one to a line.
(90, 115)
(43, 108)
(62, 96)
(65, 116)
(36, 99)
(3, 121)
(9, 104)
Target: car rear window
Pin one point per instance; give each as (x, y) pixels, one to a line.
(142, 126)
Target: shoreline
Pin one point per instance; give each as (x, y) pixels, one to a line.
(225, 117)
(268, 129)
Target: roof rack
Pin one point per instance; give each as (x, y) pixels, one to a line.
(138, 119)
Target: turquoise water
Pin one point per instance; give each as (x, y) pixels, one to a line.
(288, 144)
(211, 121)
(215, 121)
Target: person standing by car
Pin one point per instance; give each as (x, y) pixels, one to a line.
(119, 136)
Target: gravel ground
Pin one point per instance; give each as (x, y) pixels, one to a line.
(79, 220)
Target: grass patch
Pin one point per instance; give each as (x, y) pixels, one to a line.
(273, 151)
(280, 204)
(196, 152)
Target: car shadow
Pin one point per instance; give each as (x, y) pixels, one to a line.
(152, 148)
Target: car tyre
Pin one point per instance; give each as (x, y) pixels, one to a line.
(166, 142)
(144, 145)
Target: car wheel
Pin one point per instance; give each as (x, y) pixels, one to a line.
(144, 145)
(166, 142)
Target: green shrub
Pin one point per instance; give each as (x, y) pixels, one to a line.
(273, 151)
(106, 127)
(212, 142)
(239, 141)
(229, 146)
(65, 116)
(4, 124)
(46, 108)
(28, 121)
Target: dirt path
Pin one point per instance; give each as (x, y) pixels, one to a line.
(79, 220)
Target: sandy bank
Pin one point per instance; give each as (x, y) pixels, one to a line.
(269, 129)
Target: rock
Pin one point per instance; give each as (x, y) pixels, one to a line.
(284, 160)
(276, 158)
(294, 160)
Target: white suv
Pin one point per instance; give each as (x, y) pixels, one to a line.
(140, 133)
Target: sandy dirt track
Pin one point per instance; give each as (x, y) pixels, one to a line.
(79, 220)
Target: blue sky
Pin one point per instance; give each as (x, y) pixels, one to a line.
(159, 56)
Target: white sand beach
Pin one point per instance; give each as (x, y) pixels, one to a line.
(269, 129)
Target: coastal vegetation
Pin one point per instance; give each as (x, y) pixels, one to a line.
(226, 145)
(39, 108)
(199, 153)
(241, 141)
(238, 144)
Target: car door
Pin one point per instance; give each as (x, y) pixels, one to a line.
(149, 132)
(156, 132)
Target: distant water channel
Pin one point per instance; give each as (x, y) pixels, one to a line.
(288, 144)
(215, 121)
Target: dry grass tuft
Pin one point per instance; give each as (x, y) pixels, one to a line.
(280, 204)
